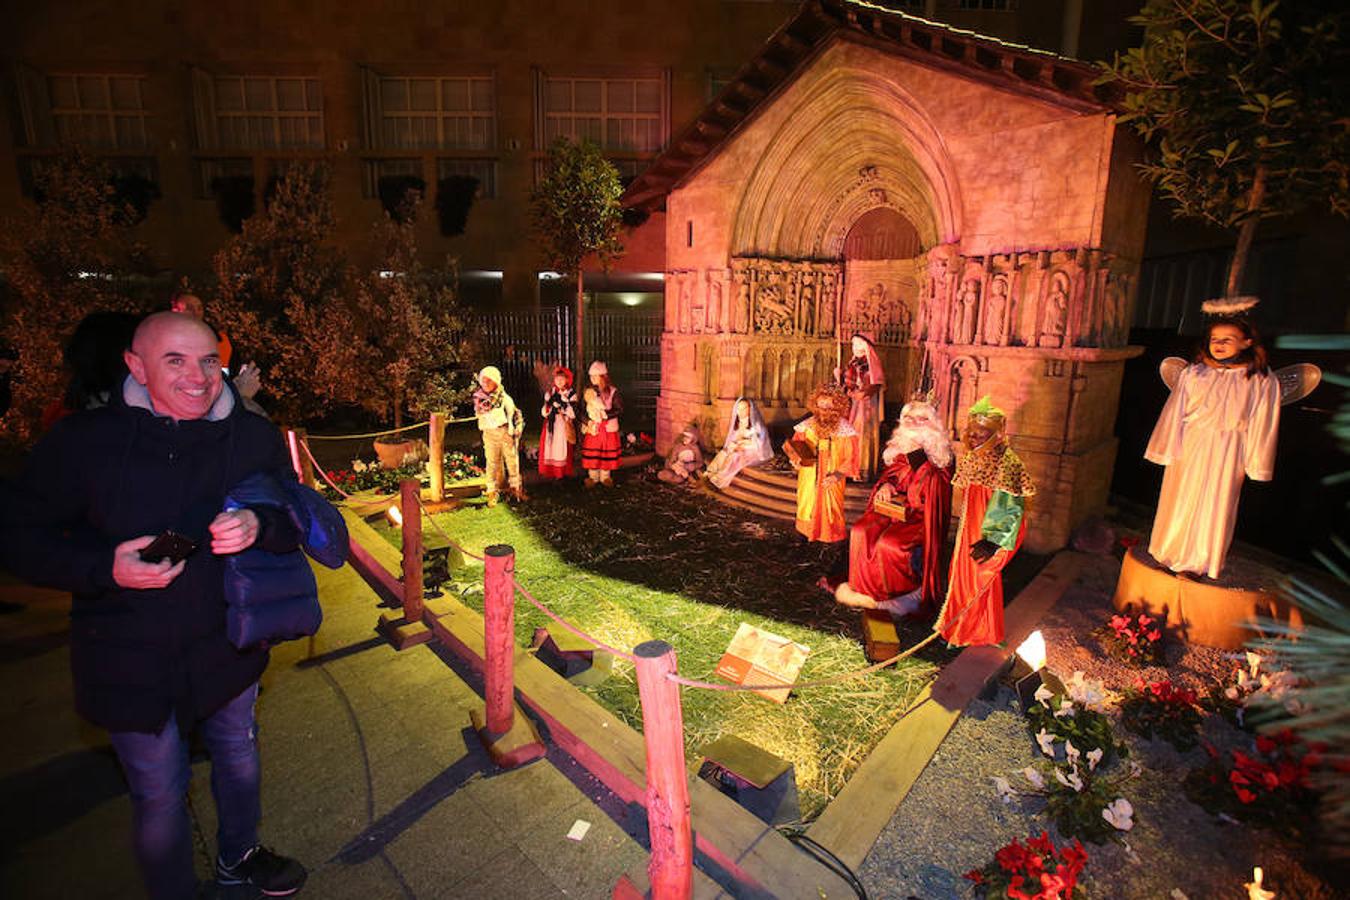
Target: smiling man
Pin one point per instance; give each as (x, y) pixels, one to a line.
(149, 652)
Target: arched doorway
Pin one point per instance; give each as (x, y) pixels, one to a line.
(883, 262)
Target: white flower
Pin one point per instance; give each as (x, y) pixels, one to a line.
(1046, 742)
(1044, 695)
(358, 466)
(1253, 662)
(1120, 814)
(1004, 788)
(1065, 708)
(1231, 693)
(1071, 780)
(1178, 894)
(1085, 692)
(1034, 777)
(1094, 757)
(1071, 753)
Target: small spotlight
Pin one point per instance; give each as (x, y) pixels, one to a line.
(395, 515)
(1032, 651)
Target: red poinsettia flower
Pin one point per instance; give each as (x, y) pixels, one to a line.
(1155, 635)
(1244, 795)
(1042, 844)
(974, 875)
(1012, 858)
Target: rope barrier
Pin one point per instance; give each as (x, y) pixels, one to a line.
(318, 468)
(572, 628)
(375, 434)
(797, 685)
(434, 524)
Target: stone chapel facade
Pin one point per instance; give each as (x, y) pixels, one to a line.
(971, 204)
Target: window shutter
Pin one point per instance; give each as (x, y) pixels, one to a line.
(204, 109)
(371, 111)
(35, 108)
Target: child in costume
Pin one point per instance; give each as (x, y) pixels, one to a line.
(600, 445)
(559, 433)
(501, 423)
(1219, 424)
(747, 444)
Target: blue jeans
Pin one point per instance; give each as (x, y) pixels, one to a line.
(157, 771)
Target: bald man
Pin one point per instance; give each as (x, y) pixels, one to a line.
(149, 652)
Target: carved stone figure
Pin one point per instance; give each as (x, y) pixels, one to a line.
(741, 314)
(714, 311)
(1056, 311)
(963, 316)
(828, 290)
(807, 308)
(697, 314)
(996, 312)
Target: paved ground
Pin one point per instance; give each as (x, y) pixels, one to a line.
(372, 776)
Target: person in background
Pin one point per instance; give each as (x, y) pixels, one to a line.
(501, 423)
(93, 359)
(558, 436)
(600, 447)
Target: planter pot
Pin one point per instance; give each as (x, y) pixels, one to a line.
(393, 454)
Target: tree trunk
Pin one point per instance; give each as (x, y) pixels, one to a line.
(1237, 268)
(579, 365)
(398, 409)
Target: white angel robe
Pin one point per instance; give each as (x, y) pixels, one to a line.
(1217, 426)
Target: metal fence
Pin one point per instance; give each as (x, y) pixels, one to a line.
(518, 342)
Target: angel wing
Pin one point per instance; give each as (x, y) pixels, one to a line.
(1170, 370)
(1297, 381)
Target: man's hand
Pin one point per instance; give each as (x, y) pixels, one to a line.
(233, 531)
(130, 571)
(982, 550)
(885, 493)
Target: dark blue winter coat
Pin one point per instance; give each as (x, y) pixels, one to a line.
(105, 476)
(273, 597)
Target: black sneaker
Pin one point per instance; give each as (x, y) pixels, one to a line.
(270, 873)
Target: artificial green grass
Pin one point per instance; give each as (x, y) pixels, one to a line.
(647, 561)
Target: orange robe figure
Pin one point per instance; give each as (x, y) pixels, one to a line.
(993, 522)
(820, 506)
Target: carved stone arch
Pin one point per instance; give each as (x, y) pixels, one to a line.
(768, 387)
(879, 149)
(805, 371)
(823, 370)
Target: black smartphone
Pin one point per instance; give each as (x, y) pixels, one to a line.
(170, 545)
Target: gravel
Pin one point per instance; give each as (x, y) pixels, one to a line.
(952, 821)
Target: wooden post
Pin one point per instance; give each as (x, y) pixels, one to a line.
(499, 632)
(436, 465)
(303, 468)
(668, 823)
(409, 496)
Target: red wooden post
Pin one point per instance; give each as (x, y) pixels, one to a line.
(296, 452)
(668, 825)
(436, 465)
(409, 496)
(499, 627)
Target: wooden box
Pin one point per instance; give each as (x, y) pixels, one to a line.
(879, 635)
(890, 509)
(800, 451)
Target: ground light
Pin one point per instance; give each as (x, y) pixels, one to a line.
(1029, 668)
(395, 515)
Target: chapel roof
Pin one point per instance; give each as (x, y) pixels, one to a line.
(1025, 70)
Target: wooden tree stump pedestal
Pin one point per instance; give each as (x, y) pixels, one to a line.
(401, 632)
(1201, 611)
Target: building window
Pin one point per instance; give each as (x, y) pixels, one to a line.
(268, 113)
(999, 5)
(390, 170)
(484, 171)
(618, 114)
(213, 175)
(106, 112)
(437, 113)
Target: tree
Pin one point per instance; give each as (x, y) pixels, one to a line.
(406, 326)
(576, 213)
(72, 254)
(279, 283)
(1245, 104)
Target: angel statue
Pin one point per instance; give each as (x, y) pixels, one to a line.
(1219, 424)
